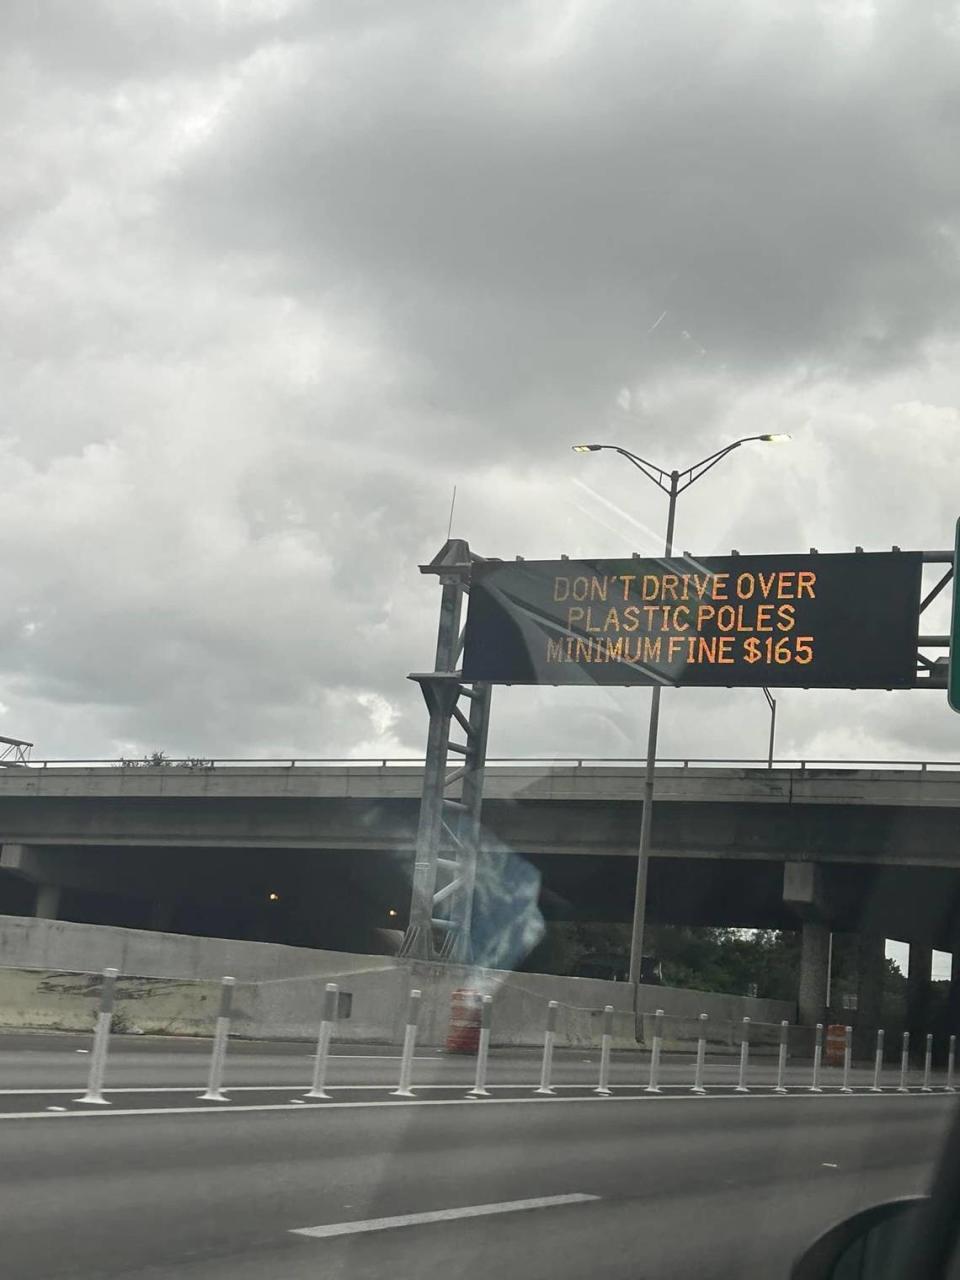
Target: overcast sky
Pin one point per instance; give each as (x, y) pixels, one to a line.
(277, 275)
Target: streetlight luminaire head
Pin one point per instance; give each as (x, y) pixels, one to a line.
(777, 437)
(586, 448)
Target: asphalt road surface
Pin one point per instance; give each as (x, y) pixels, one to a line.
(641, 1187)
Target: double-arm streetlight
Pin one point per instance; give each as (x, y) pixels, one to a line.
(673, 483)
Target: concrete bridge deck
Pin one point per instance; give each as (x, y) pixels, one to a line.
(877, 817)
(810, 782)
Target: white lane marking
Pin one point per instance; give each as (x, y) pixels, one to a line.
(473, 1103)
(439, 1215)
(367, 1057)
(296, 1085)
(281, 1088)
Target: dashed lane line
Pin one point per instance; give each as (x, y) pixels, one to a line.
(439, 1215)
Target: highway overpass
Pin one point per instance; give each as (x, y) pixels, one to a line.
(868, 850)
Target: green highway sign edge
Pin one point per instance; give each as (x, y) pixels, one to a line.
(953, 678)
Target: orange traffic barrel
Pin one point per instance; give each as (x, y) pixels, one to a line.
(835, 1045)
(463, 1034)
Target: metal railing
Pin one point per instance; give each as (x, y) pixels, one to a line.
(577, 762)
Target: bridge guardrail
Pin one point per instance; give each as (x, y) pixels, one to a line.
(577, 762)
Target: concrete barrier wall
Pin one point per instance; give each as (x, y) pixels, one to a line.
(49, 979)
(69, 1002)
(28, 943)
(290, 1009)
(521, 1000)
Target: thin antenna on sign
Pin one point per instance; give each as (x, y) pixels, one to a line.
(453, 503)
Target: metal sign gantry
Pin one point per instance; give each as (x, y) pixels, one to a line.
(953, 662)
(448, 833)
(932, 672)
(14, 751)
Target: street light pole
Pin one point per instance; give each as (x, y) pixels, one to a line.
(772, 704)
(673, 483)
(646, 819)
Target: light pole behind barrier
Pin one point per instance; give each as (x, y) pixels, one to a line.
(672, 483)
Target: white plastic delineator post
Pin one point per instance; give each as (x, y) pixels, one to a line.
(817, 1058)
(904, 1063)
(480, 1089)
(101, 1039)
(654, 1086)
(782, 1059)
(328, 1021)
(927, 1065)
(847, 1055)
(877, 1064)
(701, 1055)
(403, 1089)
(603, 1088)
(744, 1056)
(951, 1063)
(214, 1091)
(546, 1068)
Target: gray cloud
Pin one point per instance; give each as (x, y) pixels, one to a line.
(521, 222)
(276, 276)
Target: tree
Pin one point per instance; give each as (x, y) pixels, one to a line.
(729, 960)
(724, 960)
(582, 949)
(160, 760)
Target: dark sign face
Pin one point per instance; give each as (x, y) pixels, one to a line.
(814, 621)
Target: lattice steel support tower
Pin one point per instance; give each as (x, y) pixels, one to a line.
(448, 833)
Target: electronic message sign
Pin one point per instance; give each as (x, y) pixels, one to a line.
(814, 621)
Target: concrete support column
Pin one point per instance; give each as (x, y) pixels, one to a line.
(918, 990)
(871, 963)
(161, 915)
(953, 999)
(812, 992)
(47, 904)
